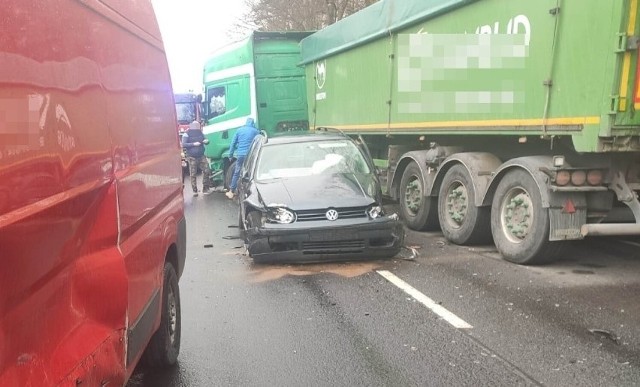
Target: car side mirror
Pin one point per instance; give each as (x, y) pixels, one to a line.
(204, 108)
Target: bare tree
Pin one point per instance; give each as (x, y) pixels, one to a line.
(296, 15)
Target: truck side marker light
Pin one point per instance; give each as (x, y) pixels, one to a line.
(563, 178)
(594, 177)
(578, 178)
(449, 317)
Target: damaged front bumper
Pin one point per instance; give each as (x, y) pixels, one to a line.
(315, 241)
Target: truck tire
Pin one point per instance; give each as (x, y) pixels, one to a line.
(461, 221)
(519, 223)
(228, 175)
(418, 211)
(164, 346)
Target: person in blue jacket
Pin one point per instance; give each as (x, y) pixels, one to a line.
(240, 147)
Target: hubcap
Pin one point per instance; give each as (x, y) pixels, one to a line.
(516, 214)
(173, 314)
(457, 202)
(413, 195)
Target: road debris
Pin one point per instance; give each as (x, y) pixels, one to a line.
(606, 334)
(412, 250)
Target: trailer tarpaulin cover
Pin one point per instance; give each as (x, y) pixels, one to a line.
(372, 23)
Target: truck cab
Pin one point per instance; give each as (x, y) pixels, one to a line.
(188, 109)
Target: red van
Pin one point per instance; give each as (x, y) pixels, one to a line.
(92, 228)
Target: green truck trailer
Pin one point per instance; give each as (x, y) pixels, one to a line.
(257, 77)
(506, 120)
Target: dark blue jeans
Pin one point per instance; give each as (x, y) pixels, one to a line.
(236, 173)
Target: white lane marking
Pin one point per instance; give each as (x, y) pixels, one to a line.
(631, 243)
(449, 317)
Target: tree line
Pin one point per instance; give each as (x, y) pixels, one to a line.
(295, 15)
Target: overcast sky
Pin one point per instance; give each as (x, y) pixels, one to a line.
(192, 29)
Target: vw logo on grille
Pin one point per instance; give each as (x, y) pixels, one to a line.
(332, 214)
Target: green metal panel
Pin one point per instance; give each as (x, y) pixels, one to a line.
(280, 85)
(234, 55)
(540, 71)
(627, 95)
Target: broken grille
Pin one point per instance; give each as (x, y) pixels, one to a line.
(321, 214)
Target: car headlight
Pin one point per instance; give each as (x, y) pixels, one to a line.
(281, 215)
(374, 212)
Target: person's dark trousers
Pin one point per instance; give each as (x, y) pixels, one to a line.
(202, 163)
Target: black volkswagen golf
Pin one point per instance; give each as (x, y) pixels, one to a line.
(314, 197)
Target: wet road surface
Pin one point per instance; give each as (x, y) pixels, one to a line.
(574, 322)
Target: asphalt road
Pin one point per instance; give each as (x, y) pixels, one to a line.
(491, 323)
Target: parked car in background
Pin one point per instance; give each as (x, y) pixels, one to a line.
(314, 197)
(92, 226)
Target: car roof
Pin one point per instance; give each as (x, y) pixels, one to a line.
(291, 137)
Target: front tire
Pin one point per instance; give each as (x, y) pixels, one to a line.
(461, 221)
(419, 212)
(164, 346)
(519, 223)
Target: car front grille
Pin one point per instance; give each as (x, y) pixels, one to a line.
(333, 247)
(321, 214)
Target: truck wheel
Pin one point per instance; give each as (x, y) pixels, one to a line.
(519, 223)
(228, 175)
(461, 221)
(419, 212)
(164, 346)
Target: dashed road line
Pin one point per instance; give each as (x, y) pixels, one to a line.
(449, 317)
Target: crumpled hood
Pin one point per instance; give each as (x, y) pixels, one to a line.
(319, 191)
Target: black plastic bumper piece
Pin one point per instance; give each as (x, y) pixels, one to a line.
(365, 240)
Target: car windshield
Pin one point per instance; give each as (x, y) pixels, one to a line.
(310, 158)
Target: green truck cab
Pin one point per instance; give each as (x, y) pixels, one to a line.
(257, 77)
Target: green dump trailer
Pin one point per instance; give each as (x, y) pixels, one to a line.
(256, 77)
(506, 120)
